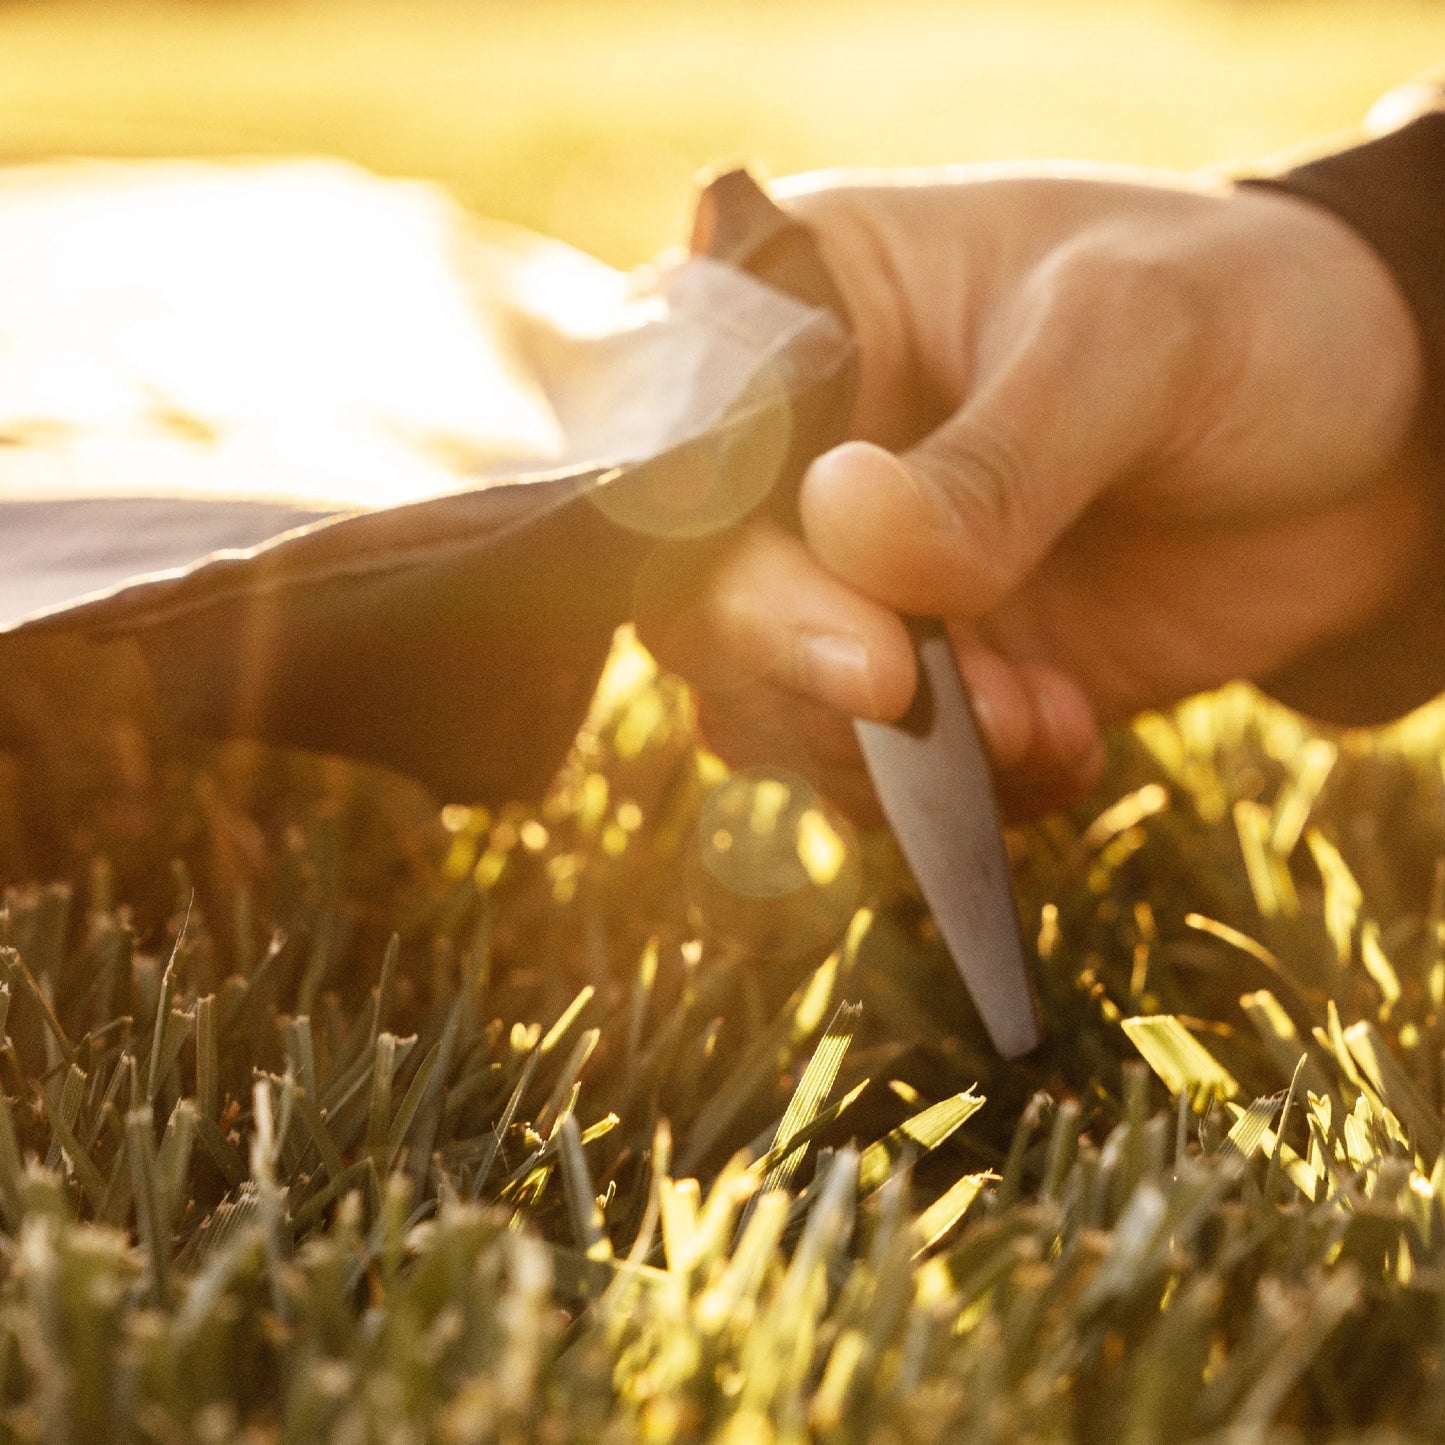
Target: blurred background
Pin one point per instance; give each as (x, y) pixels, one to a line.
(587, 119)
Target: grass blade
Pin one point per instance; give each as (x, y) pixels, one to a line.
(813, 1088)
(588, 1226)
(152, 1215)
(208, 1058)
(948, 1209)
(1183, 1064)
(922, 1133)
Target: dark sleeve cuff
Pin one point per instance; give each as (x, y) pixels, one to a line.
(1392, 191)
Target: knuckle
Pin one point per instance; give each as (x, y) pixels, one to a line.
(1110, 285)
(1135, 321)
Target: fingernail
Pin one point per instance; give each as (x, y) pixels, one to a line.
(836, 670)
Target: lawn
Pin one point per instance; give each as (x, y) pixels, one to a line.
(327, 1114)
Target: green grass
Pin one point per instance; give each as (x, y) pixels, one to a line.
(587, 120)
(362, 1123)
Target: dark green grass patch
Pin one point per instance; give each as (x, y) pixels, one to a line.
(658, 1113)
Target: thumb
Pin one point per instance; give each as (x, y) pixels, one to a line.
(1076, 403)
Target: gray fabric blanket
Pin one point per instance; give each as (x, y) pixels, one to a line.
(361, 474)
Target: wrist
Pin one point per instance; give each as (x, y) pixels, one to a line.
(1387, 192)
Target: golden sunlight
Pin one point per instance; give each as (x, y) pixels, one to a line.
(299, 333)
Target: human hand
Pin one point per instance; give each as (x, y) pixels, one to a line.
(1129, 435)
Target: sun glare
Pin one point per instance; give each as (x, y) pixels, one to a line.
(297, 332)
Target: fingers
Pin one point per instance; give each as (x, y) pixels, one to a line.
(1040, 733)
(1039, 728)
(761, 610)
(743, 622)
(1029, 714)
